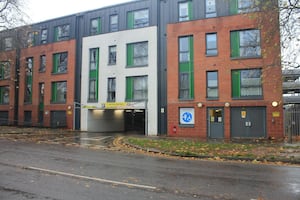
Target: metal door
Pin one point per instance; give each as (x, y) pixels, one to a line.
(215, 119)
(248, 122)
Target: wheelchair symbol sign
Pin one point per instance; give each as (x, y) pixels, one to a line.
(187, 117)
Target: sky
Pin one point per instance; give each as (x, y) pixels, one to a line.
(41, 10)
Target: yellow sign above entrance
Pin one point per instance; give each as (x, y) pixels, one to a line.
(116, 105)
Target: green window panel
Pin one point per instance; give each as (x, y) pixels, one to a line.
(59, 92)
(186, 68)
(130, 54)
(236, 84)
(233, 7)
(129, 88)
(130, 20)
(60, 62)
(235, 44)
(94, 74)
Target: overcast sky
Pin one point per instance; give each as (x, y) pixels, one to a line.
(41, 10)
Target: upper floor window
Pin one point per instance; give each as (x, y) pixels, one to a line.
(137, 88)
(95, 26)
(60, 62)
(210, 8)
(111, 90)
(93, 75)
(42, 63)
(246, 83)
(112, 60)
(114, 23)
(44, 36)
(59, 92)
(212, 84)
(185, 11)
(94, 58)
(4, 95)
(184, 49)
(138, 19)
(4, 70)
(31, 39)
(137, 54)
(211, 44)
(243, 6)
(8, 43)
(62, 33)
(28, 81)
(245, 43)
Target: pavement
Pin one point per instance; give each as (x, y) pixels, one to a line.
(111, 141)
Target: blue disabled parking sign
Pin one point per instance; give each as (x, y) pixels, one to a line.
(187, 116)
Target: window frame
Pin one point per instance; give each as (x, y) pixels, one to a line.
(188, 16)
(112, 55)
(65, 32)
(28, 80)
(215, 44)
(8, 43)
(58, 62)
(98, 28)
(94, 56)
(111, 89)
(5, 70)
(43, 61)
(132, 58)
(54, 92)
(237, 81)
(113, 27)
(4, 95)
(44, 36)
(236, 46)
(212, 87)
(131, 89)
(132, 20)
(213, 13)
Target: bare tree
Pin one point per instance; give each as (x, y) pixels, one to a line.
(12, 14)
(290, 32)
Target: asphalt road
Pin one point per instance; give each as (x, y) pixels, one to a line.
(55, 172)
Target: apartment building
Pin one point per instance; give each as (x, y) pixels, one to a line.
(225, 80)
(196, 68)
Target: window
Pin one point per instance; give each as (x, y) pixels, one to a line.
(8, 44)
(137, 54)
(212, 84)
(185, 11)
(186, 68)
(93, 75)
(184, 49)
(243, 6)
(42, 63)
(211, 44)
(28, 80)
(114, 23)
(60, 62)
(111, 90)
(246, 83)
(95, 26)
(112, 60)
(210, 9)
(245, 43)
(59, 92)
(62, 33)
(44, 36)
(4, 70)
(137, 88)
(4, 95)
(92, 90)
(31, 39)
(41, 95)
(138, 19)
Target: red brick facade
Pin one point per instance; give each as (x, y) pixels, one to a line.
(9, 56)
(47, 78)
(269, 62)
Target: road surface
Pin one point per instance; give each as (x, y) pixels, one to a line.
(55, 172)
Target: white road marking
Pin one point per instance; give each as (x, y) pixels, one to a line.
(90, 178)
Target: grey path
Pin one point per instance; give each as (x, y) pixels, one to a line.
(55, 172)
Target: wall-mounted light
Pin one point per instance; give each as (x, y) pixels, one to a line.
(69, 107)
(275, 103)
(227, 104)
(199, 105)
